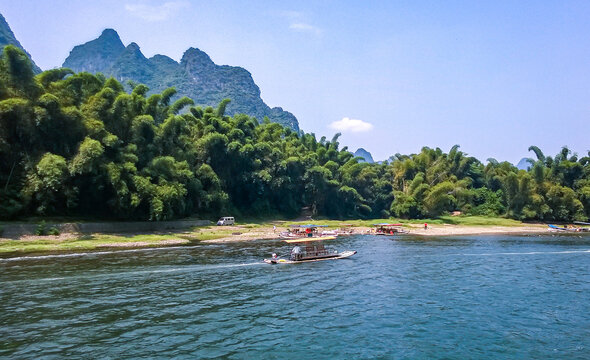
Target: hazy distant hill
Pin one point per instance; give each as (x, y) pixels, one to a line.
(7, 38)
(196, 76)
(524, 164)
(365, 155)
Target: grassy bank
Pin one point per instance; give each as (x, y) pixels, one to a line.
(75, 242)
(257, 229)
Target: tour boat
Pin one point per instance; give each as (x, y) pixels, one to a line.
(309, 249)
(301, 231)
(290, 235)
(346, 230)
(572, 229)
(389, 229)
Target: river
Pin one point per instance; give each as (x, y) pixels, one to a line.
(501, 296)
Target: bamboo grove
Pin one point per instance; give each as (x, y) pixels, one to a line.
(81, 145)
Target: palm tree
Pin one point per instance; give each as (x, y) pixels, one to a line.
(538, 152)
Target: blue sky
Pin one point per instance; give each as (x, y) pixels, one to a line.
(494, 77)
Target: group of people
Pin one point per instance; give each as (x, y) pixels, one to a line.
(295, 253)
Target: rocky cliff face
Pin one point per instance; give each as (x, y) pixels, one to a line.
(96, 55)
(196, 76)
(7, 38)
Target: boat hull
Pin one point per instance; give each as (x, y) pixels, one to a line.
(342, 255)
(394, 234)
(557, 228)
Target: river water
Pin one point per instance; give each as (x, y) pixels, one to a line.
(399, 297)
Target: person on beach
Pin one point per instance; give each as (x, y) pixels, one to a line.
(425, 226)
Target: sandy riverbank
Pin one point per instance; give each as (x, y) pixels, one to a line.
(450, 230)
(268, 232)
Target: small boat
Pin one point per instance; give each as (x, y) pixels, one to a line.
(570, 229)
(584, 229)
(389, 229)
(304, 231)
(310, 249)
(341, 255)
(346, 230)
(291, 235)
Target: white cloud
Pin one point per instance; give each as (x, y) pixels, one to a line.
(291, 14)
(297, 22)
(351, 125)
(154, 13)
(303, 27)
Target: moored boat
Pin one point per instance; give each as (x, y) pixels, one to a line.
(291, 235)
(309, 230)
(345, 230)
(584, 229)
(389, 229)
(568, 229)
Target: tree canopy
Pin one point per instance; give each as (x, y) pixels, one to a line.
(80, 144)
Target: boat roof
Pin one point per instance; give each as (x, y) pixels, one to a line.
(386, 224)
(308, 226)
(310, 239)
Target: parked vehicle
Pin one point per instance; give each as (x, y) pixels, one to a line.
(226, 220)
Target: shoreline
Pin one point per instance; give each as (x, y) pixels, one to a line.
(75, 242)
(414, 230)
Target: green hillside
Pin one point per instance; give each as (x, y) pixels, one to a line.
(196, 76)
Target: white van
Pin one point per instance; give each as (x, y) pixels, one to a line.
(226, 220)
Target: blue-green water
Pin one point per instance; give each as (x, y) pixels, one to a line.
(463, 297)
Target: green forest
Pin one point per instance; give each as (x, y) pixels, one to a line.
(78, 144)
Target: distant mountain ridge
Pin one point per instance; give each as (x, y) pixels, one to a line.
(7, 38)
(524, 164)
(365, 155)
(196, 76)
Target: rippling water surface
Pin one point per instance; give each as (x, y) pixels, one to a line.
(410, 297)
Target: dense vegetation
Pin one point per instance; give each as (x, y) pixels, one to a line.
(79, 144)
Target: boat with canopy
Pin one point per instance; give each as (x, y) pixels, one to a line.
(345, 230)
(300, 231)
(571, 228)
(389, 229)
(309, 249)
